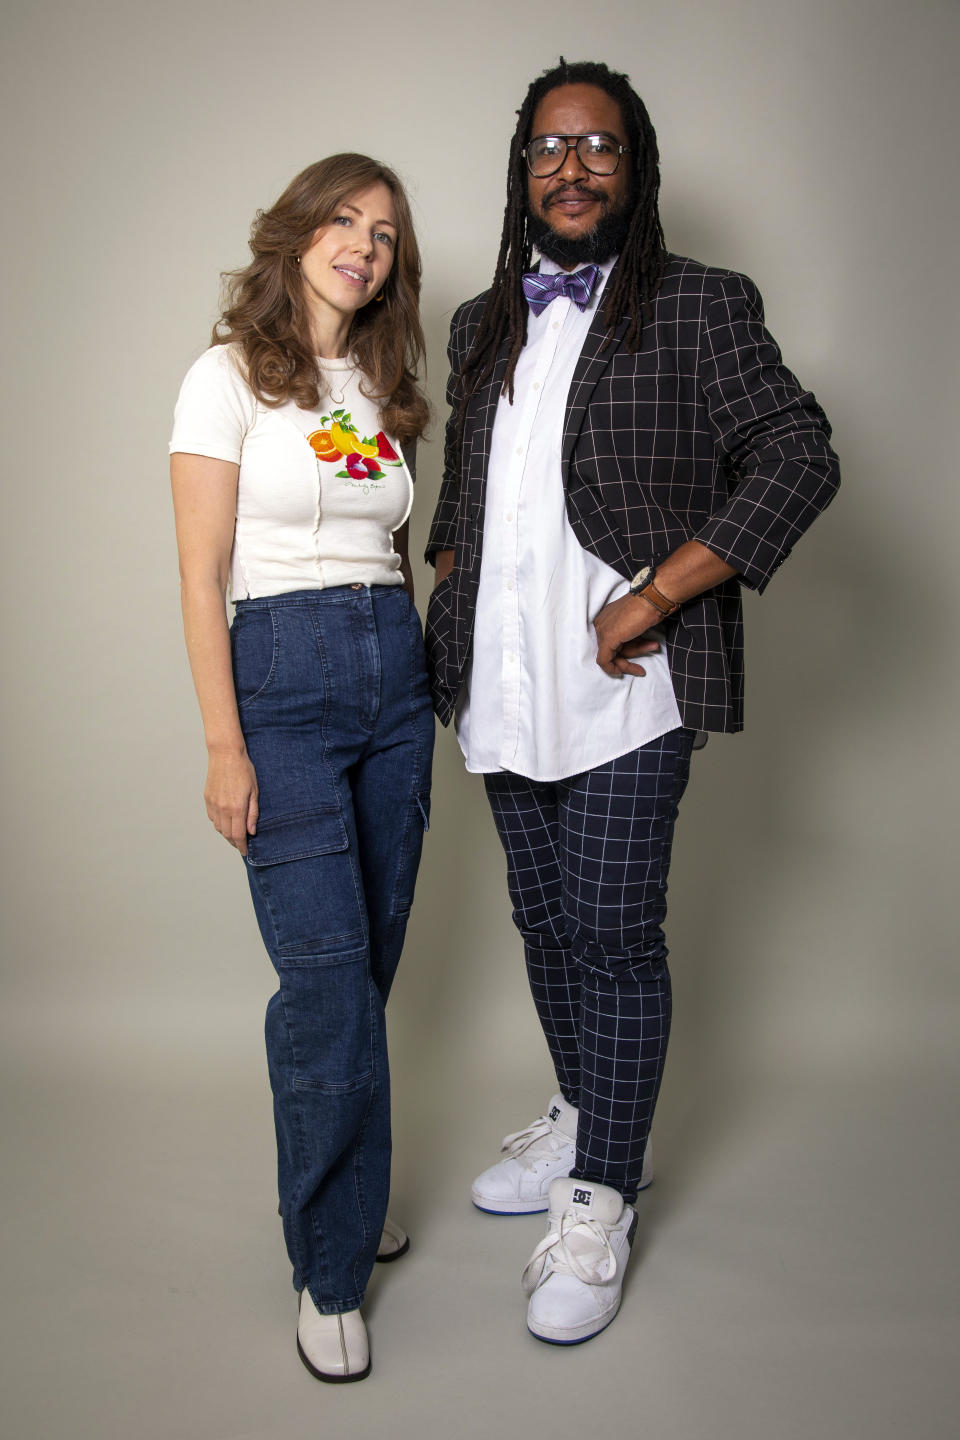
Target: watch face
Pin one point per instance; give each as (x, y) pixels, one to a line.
(642, 577)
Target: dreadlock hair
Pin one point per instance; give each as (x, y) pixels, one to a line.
(640, 270)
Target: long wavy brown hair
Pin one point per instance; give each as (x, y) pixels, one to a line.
(265, 313)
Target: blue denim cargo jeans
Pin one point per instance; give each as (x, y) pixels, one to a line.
(336, 715)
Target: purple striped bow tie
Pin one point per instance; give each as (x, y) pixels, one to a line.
(541, 289)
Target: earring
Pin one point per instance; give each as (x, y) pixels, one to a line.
(298, 259)
(379, 298)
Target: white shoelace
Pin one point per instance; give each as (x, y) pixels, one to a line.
(542, 1134)
(580, 1247)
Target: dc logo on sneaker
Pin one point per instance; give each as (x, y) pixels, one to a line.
(582, 1197)
(554, 1113)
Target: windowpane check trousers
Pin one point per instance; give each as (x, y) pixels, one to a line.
(587, 863)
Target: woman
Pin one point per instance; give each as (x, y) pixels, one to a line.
(290, 483)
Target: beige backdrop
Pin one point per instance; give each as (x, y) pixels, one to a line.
(810, 143)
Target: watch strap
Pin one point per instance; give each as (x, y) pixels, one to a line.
(658, 600)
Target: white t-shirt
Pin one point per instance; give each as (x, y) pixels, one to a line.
(320, 492)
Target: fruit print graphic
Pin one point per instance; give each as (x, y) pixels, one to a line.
(364, 457)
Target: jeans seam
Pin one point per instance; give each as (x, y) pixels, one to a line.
(301, 1258)
(359, 1153)
(414, 805)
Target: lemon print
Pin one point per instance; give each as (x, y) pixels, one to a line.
(345, 440)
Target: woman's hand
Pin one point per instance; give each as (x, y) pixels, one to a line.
(232, 797)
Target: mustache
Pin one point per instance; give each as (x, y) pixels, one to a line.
(577, 191)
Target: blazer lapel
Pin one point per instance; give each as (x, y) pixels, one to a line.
(481, 413)
(593, 360)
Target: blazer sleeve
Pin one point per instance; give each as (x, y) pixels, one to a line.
(772, 434)
(443, 530)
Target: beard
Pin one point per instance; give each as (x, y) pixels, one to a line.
(605, 240)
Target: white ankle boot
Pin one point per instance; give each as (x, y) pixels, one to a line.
(394, 1241)
(333, 1347)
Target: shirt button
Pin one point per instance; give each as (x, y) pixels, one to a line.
(519, 449)
(508, 517)
(555, 325)
(509, 584)
(536, 384)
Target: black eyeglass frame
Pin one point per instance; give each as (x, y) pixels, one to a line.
(572, 142)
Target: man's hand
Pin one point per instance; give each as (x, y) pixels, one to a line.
(689, 571)
(619, 628)
(443, 561)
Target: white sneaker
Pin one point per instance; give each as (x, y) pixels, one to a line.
(574, 1276)
(519, 1184)
(333, 1347)
(394, 1242)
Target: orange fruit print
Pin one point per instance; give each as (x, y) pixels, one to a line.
(323, 445)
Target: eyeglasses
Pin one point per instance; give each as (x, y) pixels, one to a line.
(546, 154)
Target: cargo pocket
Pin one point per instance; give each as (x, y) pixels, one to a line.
(330, 1016)
(297, 837)
(302, 875)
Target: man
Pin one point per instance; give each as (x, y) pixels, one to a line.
(625, 451)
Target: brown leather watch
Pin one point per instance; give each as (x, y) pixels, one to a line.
(642, 584)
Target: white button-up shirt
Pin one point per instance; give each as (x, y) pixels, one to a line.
(535, 701)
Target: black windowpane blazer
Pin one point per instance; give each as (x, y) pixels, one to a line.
(704, 435)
